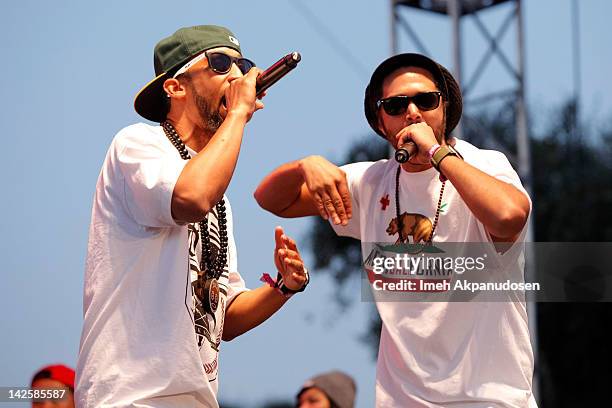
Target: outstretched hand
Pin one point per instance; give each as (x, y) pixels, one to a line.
(328, 188)
(288, 261)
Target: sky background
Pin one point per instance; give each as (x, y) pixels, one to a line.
(69, 73)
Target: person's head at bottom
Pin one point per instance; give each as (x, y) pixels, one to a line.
(329, 390)
(55, 387)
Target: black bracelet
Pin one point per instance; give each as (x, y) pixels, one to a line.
(280, 285)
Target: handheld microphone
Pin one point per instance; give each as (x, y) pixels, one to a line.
(278, 70)
(403, 153)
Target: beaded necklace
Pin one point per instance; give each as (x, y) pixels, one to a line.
(400, 225)
(206, 287)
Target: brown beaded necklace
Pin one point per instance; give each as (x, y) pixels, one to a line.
(400, 225)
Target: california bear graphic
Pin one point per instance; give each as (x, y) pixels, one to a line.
(416, 225)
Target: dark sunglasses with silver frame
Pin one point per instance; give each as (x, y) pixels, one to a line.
(222, 63)
(397, 105)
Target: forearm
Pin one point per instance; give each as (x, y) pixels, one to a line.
(249, 309)
(205, 177)
(281, 188)
(500, 206)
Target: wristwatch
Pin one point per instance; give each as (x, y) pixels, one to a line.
(441, 154)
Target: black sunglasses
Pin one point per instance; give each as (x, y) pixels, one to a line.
(397, 105)
(222, 63)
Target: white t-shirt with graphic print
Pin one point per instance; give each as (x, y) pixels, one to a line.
(146, 340)
(443, 354)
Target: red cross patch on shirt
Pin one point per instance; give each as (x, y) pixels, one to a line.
(384, 201)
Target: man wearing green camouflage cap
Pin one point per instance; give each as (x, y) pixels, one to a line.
(162, 288)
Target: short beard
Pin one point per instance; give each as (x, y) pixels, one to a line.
(439, 133)
(211, 120)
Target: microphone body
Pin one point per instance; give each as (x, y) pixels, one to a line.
(278, 70)
(405, 151)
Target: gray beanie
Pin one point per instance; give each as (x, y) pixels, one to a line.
(339, 388)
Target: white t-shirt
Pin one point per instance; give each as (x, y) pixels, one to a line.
(443, 354)
(146, 341)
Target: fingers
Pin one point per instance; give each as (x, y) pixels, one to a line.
(294, 266)
(330, 206)
(333, 204)
(240, 95)
(402, 137)
(328, 189)
(278, 234)
(288, 260)
(290, 243)
(286, 248)
(318, 201)
(345, 195)
(251, 77)
(289, 254)
(421, 137)
(339, 207)
(421, 134)
(253, 73)
(285, 244)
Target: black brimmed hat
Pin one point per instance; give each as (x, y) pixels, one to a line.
(169, 55)
(444, 80)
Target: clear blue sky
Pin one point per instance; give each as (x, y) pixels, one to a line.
(69, 73)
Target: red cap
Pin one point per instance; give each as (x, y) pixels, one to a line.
(58, 372)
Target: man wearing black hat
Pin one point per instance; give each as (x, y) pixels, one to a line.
(162, 287)
(432, 354)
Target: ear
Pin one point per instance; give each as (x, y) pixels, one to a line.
(174, 88)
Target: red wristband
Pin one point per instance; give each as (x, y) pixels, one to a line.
(279, 286)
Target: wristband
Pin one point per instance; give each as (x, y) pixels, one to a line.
(433, 150)
(278, 284)
(441, 154)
